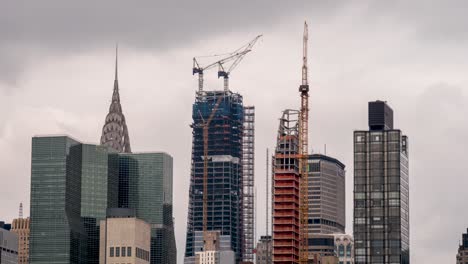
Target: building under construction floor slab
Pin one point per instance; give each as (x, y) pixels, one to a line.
(225, 111)
(286, 196)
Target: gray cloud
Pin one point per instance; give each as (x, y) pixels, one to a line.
(56, 66)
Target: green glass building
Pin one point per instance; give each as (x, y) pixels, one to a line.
(72, 186)
(57, 234)
(145, 184)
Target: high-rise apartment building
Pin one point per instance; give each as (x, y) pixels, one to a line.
(462, 255)
(20, 227)
(8, 247)
(381, 190)
(225, 111)
(286, 180)
(124, 238)
(264, 250)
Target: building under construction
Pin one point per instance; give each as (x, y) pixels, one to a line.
(290, 179)
(286, 184)
(225, 144)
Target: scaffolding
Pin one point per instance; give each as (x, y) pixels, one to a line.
(248, 205)
(224, 167)
(286, 194)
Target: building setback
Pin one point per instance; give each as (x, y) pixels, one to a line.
(381, 190)
(20, 227)
(225, 132)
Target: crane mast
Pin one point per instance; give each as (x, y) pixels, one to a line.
(303, 155)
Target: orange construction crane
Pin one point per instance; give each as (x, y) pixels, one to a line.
(206, 126)
(303, 155)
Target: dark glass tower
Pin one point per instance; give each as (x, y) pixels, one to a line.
(57, 234)
(381, 190)
(224, 209)
(145, 184)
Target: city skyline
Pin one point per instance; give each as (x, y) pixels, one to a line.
(62, 88)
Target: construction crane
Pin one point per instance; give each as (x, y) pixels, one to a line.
(206, 126)
(303, 155)
(240, 54)
(197, 68)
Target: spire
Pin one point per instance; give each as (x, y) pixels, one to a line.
(21, 210)
(116, 61)
(114, 131)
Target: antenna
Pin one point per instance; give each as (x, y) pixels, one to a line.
(21, 210)
(266, 193)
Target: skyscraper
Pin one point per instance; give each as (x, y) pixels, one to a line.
(286, 197)
(224, 142)
(20, 226)
(145, 184)
(381, 190)
(326, 195)
(57, 233)
(73, 185)
(462, 254)
(115, 131)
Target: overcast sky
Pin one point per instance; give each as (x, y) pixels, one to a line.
(56, 76)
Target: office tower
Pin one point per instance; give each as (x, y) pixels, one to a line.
(124, 238)
(99, 191)
(248, 165)
(145, 184)
(326, 195)
(115, 131)
(72, 184)
(20, 227)
(8, 247)
(344, 248)
(462, 255)
(381, 190)
(225, 112)
(286, 180)
(57, 233)
(264, 249)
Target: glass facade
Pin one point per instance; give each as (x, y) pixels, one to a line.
(224, 208)
(72, 186)
(145, 184)
(381, 197)
(57, 235)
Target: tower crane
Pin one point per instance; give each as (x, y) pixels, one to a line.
(303, 155)
(239, 55)
(206, 125)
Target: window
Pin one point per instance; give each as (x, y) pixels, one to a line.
(123, 252)
(117, 251)
(111, 252)
(129, 251)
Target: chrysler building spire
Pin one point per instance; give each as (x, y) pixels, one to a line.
(114, 131)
